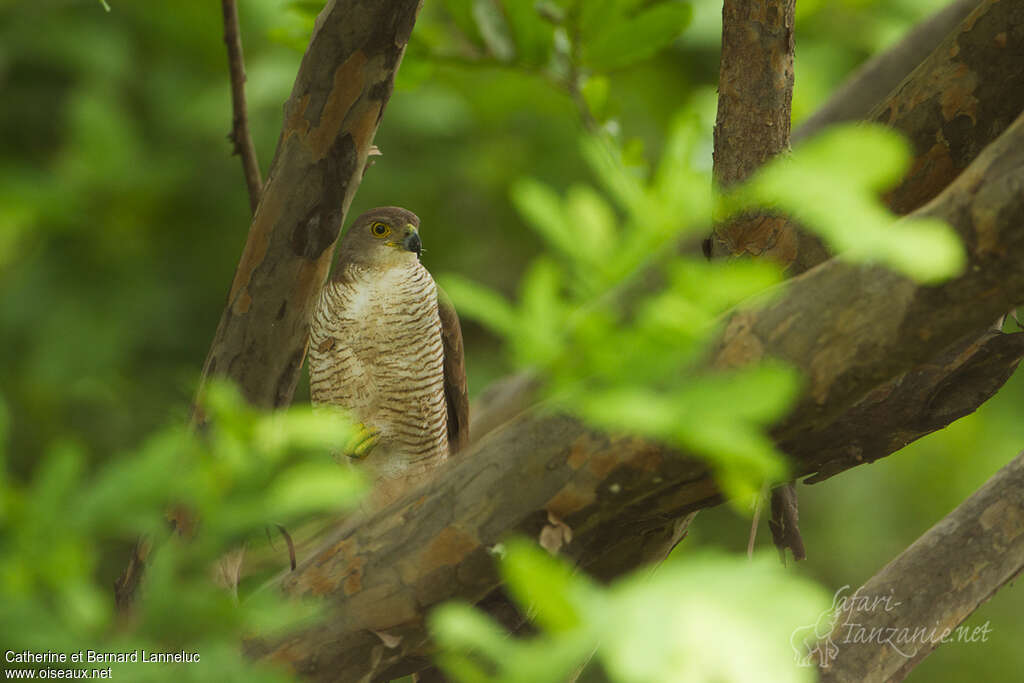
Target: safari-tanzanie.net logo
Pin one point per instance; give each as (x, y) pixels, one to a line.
(849, 620)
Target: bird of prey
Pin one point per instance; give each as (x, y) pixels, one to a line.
(385, 345)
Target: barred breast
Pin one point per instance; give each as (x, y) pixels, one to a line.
(375, 350)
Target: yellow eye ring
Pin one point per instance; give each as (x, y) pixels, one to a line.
(379, 229)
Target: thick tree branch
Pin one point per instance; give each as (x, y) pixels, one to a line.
(755, 96)
(963, 96)
(880, 75)
(240, 136)
(933, 585)
(998, 106)
(755, 87)
(919, 402)
(848, 327)
(955, 102)
(755, 92)
(342, 87)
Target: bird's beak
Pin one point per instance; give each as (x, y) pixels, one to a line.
(412, 240)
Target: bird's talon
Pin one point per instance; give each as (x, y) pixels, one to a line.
(362, 442)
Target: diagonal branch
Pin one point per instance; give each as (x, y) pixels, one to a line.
(345, 80)
(240, 137)
(963, 96)
(848, 327)
(877, 77)
(933, 586)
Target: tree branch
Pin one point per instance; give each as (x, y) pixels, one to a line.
(336, 104)
(755, 92)
(755, 99)
(848, 327)
(240, 137)
(880, 75)
(755, 87)
(919, 402)
(934, 585)
(963, 96)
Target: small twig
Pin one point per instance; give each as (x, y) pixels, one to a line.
(240, 136)
(755, 522)
(127, 583)
(291, 545)
(783, 524)
(573, 85)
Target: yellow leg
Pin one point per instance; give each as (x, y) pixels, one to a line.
(362, 442)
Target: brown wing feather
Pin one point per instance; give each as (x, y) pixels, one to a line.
(456, 390)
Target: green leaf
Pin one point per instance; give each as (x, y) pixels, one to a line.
(726, 620)
(493, 30)
(830, 185)
(461, 12)
(595, 91)
(546, 585)
(533, 35)
(128, 494)
(314, 487)
(481, 304)
(593, 223)
(541, 341)
(624, 186)
(305, 428)
(542, 209)
(627, 41)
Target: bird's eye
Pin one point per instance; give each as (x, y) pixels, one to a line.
(380, 229)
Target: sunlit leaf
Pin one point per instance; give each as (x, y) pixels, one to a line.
(638, 37)
(546, 584)
(313, 487)
(481, 304)
(542, 209)
(595, 91)
(493, 30)
(716, 602)
(830, 184)
(533, 35)
(461, 12)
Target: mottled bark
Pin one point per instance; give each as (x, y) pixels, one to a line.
(755, 96)
(336, 104)
(968, 91)
(960, 98)
(755, 92)
(755, 86)
(929, 397)
(865, 325)
(848, 327)
(877, 77)
(933, 585)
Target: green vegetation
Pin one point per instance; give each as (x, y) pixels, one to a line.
(555, 152)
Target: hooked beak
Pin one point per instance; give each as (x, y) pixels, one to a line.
(412, 242)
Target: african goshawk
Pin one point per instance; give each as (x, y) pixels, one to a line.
(386, 347)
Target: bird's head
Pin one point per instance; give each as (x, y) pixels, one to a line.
(384, 237)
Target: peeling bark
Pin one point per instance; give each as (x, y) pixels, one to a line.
(926, 399)
(880, 75)
(336, 104)
(933, 585)
(850, 327)
(954, 103)
(755, 93)
(968, 91)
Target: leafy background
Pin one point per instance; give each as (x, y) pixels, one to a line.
(122, 215)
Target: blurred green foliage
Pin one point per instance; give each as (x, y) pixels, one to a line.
(727, 620)
(122, 216)
(244, 472)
